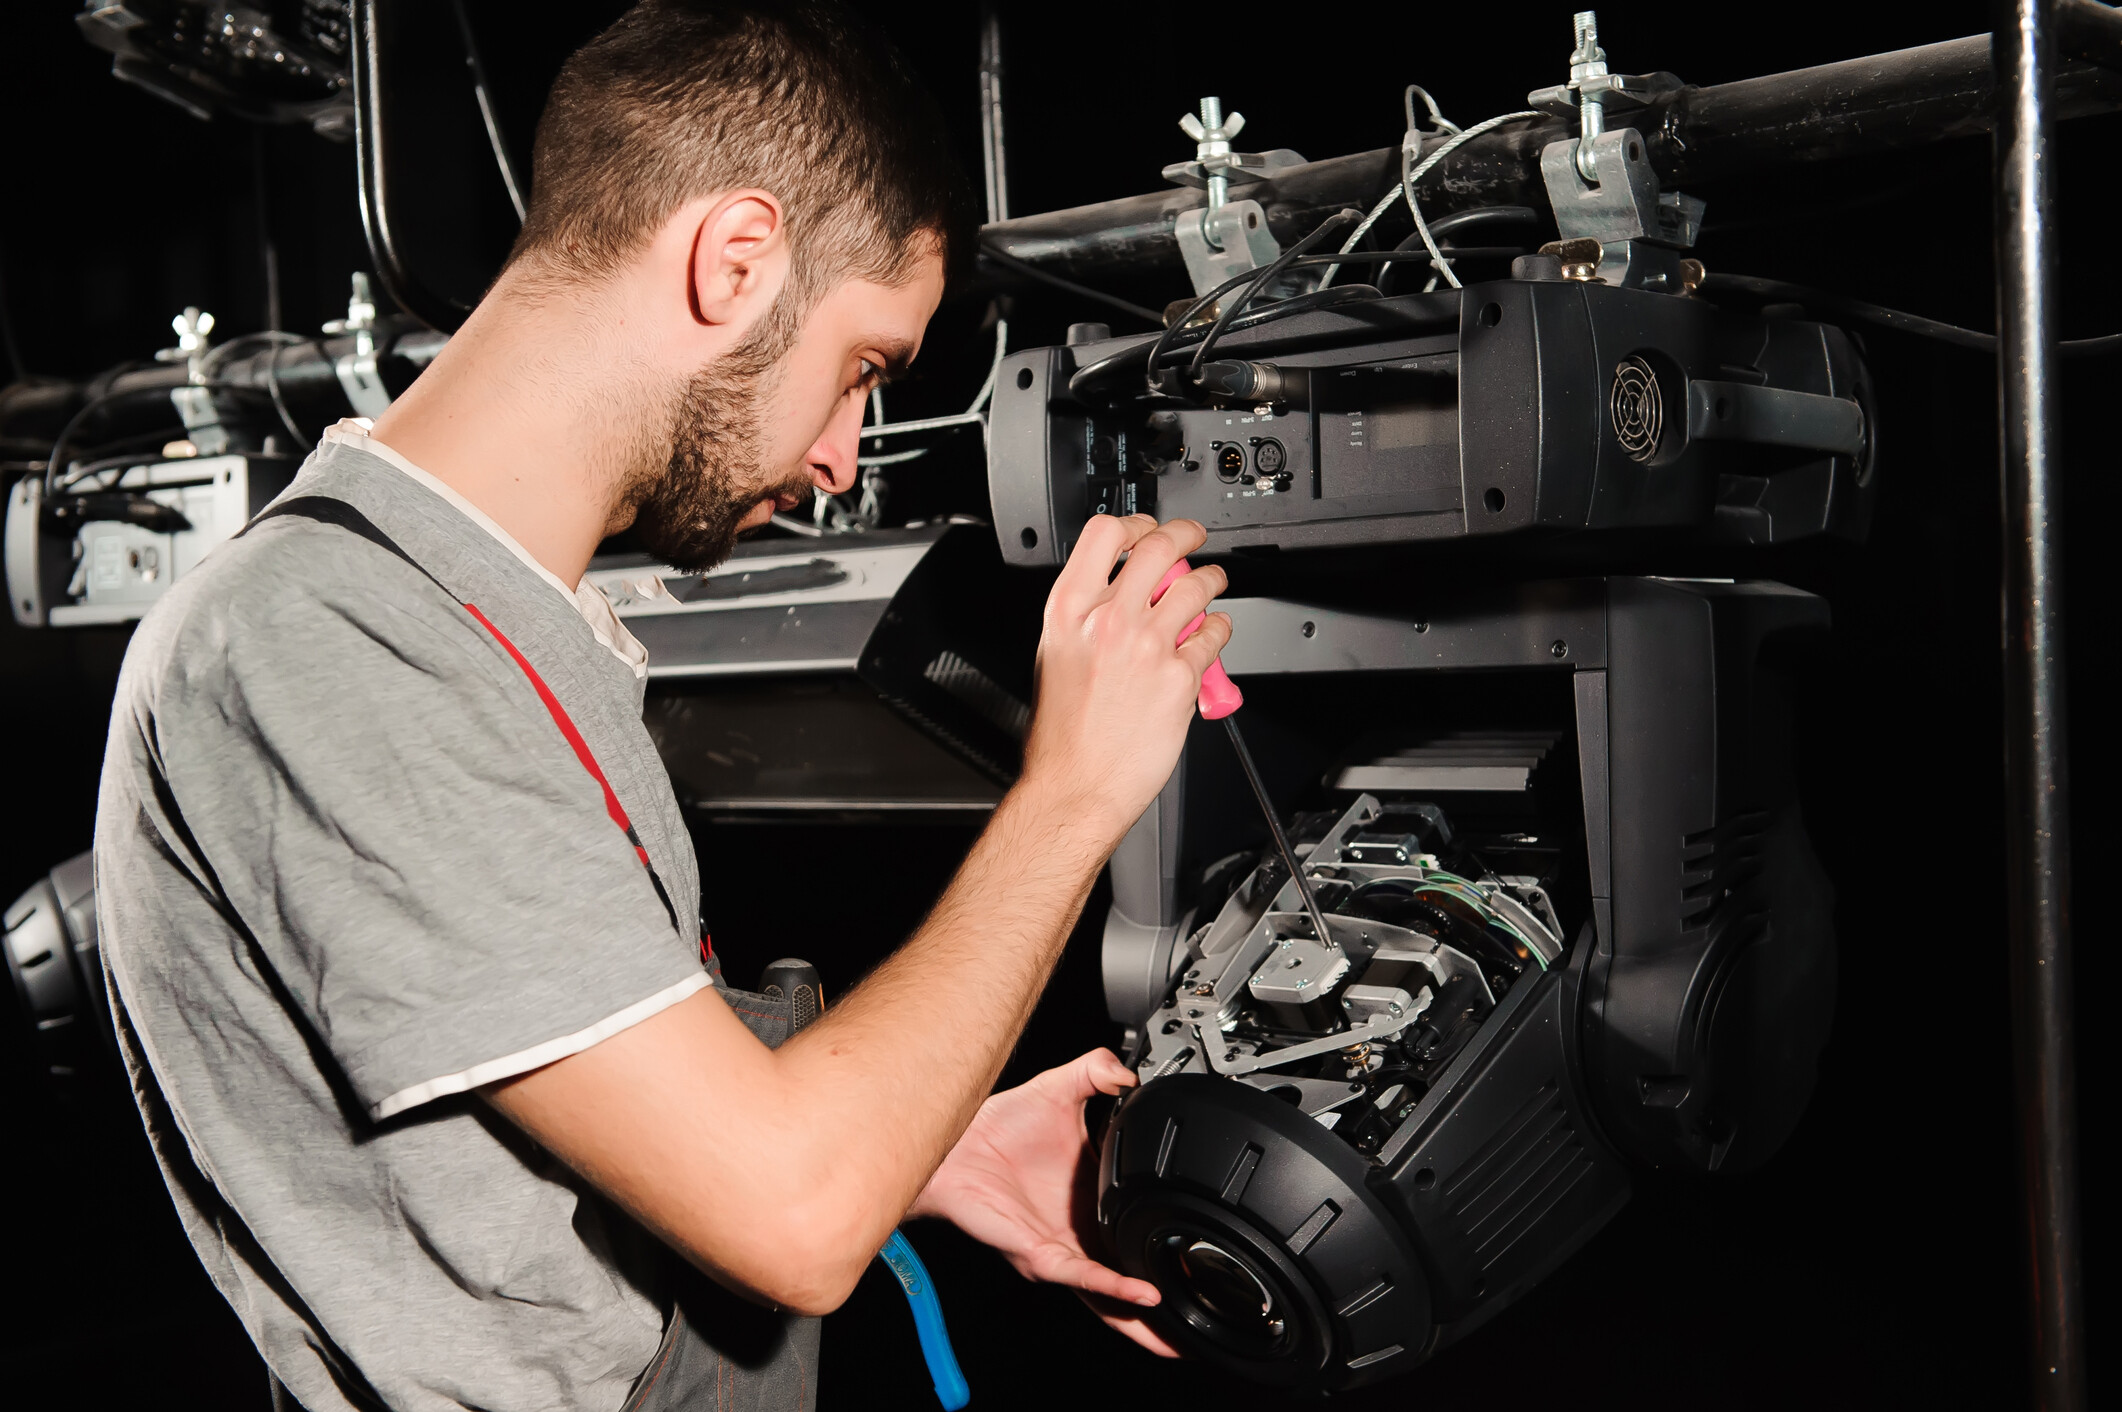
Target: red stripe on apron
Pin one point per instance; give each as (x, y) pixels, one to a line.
(566, 723)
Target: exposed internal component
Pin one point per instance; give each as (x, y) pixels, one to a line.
(1352, 1028)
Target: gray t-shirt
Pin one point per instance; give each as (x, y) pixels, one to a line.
(347, 869)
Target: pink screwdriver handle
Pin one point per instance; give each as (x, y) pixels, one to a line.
(1219, 694)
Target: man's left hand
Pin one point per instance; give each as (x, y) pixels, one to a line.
(1023, 1180)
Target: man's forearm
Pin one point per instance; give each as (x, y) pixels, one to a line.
(897, 1069)
(781, 1172)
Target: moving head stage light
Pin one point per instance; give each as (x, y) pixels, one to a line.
(1517, 406)
(1574, 922)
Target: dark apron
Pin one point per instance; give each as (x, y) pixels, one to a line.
(720, 1352)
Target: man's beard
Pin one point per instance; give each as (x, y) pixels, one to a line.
(688, 516)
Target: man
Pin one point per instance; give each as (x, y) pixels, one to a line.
(400, 912)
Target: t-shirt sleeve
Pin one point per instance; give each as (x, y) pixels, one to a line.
(420, 859)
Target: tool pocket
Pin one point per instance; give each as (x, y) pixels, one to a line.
(767, 1016)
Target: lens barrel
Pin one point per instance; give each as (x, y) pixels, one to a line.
(1274, 1254)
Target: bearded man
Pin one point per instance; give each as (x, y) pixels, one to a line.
(401, 915)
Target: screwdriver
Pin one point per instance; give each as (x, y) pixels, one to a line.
(1220, 700)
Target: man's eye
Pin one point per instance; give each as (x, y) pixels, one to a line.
(870, 372)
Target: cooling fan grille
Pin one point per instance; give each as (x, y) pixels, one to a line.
(1638, 409)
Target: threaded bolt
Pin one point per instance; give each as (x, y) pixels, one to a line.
(1589, 61)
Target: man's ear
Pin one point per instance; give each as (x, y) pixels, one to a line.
(740, 257)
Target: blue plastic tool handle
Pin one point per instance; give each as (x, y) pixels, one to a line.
(951, 1389)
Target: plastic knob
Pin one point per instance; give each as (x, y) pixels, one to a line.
(796, 982)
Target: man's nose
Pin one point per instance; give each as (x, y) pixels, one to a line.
(832, 455)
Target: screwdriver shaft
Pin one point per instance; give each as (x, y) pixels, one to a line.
(1274, 829)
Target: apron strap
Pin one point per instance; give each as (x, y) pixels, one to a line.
(330, 510)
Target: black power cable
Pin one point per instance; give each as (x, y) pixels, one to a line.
(1409, 252)
(73, 424)
(1444, 228)
(1255, 280)
(272, 386)
(1151, 316)
(56, 460)
(1864, 311)
(1179, 335)
(1179, 338)
(1173, 331)
(483, 91)
(1332, 225)
(1031, 271)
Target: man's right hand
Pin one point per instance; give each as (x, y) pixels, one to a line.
(781, 1172)
(1116, 685)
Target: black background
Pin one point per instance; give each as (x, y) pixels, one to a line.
(1876, 1260)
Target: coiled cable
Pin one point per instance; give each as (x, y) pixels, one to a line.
(1410, 176)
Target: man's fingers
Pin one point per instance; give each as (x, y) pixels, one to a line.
(1207, 643)
(1143, 1334)
(1122, 1320)
(1107, 1073)
(1090, 564)
(1056, 1267)
(1152, 555)
(1189, 597)
(1099, 1071)
(1076, 1080)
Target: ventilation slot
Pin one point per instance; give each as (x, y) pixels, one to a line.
(1001, 771)
(1165, 1144)
(988, 698)
(1718, 863)
(1366, 1299)
(1314, 1226)
(1489, 762)
(1518, 1177)
(1241, 1175)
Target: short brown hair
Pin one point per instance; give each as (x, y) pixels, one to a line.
(683, 98)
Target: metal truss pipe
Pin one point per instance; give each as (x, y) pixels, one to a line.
(1858, 107)
(2036, 779)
